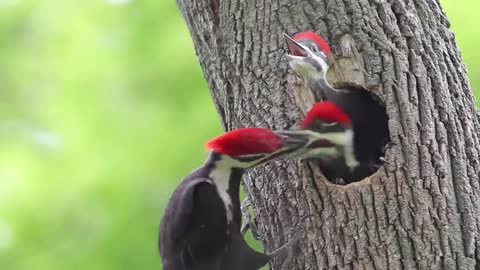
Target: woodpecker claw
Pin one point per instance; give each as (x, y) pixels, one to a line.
(383, 160)
(286, 249)
(246, 216)
(339, 181)
(245, 227)
(248, 222)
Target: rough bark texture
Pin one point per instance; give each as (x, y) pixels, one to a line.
(422, 210)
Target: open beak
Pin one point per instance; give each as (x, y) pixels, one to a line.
(295, 49)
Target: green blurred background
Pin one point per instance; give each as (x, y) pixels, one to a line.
(103, 110)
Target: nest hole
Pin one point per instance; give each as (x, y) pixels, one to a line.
(371, 138)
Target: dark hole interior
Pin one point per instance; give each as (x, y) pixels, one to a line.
(371, 135)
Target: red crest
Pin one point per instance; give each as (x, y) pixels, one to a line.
(246, 141)
(315, 37)
(326, 111)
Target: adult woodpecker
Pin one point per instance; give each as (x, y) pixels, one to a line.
(310, 58)
(200, 228)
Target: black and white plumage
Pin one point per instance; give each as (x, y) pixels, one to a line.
(200, 228)
(309, 58)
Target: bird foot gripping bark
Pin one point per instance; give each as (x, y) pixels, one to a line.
(383, 160)
(248, 222)
(339, 181)
(287, 248)
(376, 165)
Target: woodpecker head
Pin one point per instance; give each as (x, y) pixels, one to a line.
(327, 117)
(250, 147)
(327, 128)
(309, 55)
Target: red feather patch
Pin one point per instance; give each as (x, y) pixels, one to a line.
(326, 111)
(246, 141)
(315, 37)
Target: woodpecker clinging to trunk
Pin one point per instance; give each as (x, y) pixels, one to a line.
(200, 228)
(309, 58)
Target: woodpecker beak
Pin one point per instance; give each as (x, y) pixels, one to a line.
(292, 142)
(308, 139)
(313, 144)
(303, 61)
(296, 50)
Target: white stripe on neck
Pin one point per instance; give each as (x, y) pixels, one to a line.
(350, 159)
(220, 175)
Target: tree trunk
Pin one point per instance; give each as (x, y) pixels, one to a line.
(421, 211)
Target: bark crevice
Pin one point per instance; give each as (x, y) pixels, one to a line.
(420, 211)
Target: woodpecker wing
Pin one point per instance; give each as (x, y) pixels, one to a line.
(176, 217)
(193, 226)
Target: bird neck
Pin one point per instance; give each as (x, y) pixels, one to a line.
(226, 178)
(323, 82)
(328, 89)
(322, 89)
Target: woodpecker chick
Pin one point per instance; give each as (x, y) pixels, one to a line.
(328, 130)
(310, 57)
(200, 228)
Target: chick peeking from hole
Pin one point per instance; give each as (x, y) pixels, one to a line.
(353, 114)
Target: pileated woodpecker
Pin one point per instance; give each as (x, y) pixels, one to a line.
(330, 135)
(310, 58)
(200, 228)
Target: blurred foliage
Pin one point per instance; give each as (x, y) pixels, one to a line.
(104, 109)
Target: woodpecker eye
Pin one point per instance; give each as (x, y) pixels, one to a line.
(314, 48)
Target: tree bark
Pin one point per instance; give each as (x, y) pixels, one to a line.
(420, 211)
